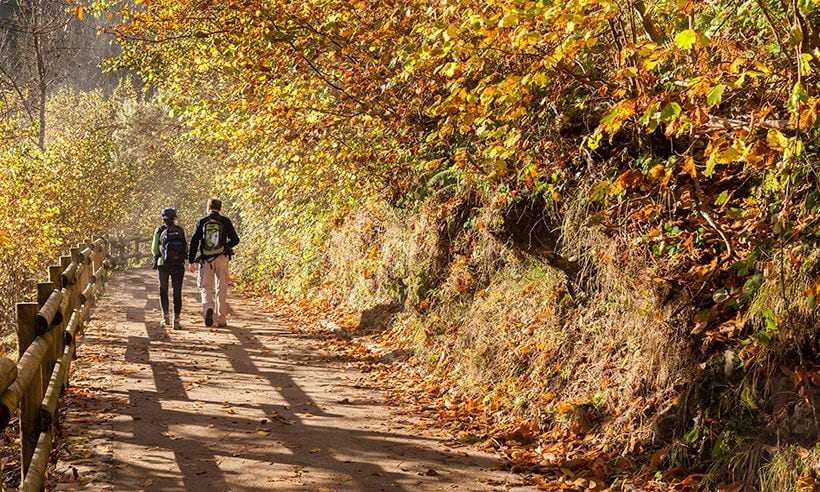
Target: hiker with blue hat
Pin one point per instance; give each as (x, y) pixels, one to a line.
(170, 250)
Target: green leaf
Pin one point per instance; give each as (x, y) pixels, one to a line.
(692, 436)
(722, 198)
(650, 113)
(599, 192)
(670, 112)
(715, 95)
(710, 166)
(686, 39)
(798, 96)
(751, 286)
(720, 295)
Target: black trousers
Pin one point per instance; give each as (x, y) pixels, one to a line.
(175, 272)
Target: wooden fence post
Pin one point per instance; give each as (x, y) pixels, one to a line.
(44, 360)
(55, 276)
(64, 262)
(44, 290)
(75, 254)
(33, 394)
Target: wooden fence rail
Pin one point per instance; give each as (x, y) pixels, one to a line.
(47, 331)
(130, 251)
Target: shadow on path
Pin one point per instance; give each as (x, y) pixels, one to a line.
(253, 406)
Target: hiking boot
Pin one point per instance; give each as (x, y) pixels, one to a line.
(177, 325)
(209, 317)
(166, 320)
(221, 324)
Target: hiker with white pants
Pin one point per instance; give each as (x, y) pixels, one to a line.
(211, 249)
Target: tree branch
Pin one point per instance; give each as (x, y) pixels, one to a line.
(647, 23)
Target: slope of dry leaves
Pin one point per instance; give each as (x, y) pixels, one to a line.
(569, 458)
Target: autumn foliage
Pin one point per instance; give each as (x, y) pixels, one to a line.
(104, 171)
(600, 217)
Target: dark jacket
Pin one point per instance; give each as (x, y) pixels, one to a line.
(231, 238)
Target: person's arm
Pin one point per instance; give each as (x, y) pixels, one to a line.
(192, 250)
(230, 233)
(184, 241)
(155, 243)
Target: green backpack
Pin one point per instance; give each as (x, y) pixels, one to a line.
(213, 237)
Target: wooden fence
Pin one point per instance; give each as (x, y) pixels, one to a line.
(132, 251)
(46, 339)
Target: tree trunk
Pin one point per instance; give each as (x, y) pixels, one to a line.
(41, 74)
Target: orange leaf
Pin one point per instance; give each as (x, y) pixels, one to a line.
(689, 167)
(628, 179)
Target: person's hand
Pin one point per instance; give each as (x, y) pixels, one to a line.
(192, 267)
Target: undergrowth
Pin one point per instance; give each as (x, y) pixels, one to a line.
(612, 357)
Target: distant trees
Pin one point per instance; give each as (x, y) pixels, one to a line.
(43, 45)
(112, 162)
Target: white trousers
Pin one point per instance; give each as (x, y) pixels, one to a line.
(210, 272)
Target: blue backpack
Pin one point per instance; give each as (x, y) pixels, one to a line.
(172, 245)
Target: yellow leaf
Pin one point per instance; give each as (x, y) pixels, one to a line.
(777, 140)
(659, 174)
(564, 407)
(434, 164)
(689, 167)
(728, 156)
(509, 20)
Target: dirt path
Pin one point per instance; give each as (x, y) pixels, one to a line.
(254, 406)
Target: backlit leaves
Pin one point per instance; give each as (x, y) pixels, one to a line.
(685, 40)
